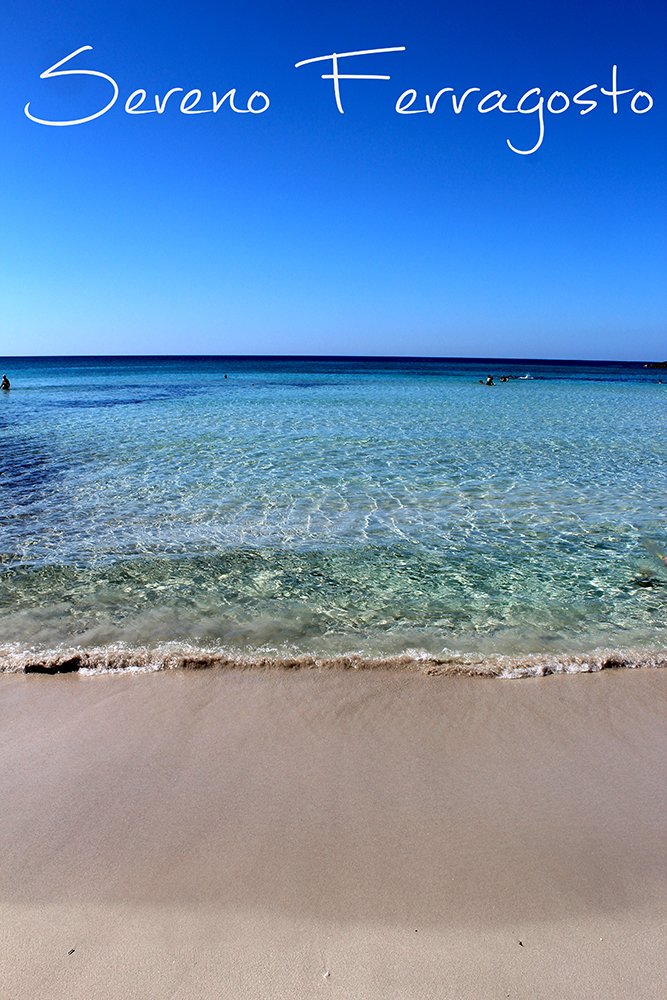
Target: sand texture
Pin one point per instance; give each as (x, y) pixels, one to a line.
(344, 835)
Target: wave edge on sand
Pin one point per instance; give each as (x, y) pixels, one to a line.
(119, 658)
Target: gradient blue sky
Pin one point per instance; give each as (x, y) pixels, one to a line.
(304, 231)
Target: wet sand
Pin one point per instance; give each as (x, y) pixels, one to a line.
(270, 835)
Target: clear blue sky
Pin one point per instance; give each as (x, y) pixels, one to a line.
(305, 231)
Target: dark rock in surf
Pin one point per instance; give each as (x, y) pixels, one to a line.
(69, 666)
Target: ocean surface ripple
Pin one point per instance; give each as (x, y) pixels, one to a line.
(325, 512)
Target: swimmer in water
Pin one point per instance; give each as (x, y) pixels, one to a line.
(6, 384)
(489, 380)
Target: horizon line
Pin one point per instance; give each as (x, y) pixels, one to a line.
(333, 357)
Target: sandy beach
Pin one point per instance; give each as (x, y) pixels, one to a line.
(342, 834)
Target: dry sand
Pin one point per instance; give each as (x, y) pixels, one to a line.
(339, 835)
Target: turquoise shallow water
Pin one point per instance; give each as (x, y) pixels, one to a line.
(328, 506)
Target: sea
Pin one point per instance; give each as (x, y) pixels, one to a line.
(332, 512)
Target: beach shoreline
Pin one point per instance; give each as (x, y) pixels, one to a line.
(121, 658)
(368, 834)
